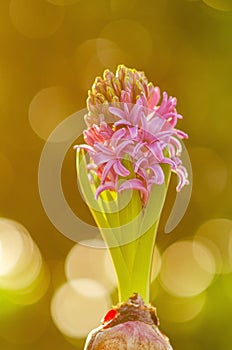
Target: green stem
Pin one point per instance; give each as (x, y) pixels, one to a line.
(143, 263)
(133, 260)
(138, 253)
(138, 279)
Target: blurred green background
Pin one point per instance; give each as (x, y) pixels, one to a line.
(51, 51)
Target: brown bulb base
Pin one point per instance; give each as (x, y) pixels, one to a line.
(129, 326)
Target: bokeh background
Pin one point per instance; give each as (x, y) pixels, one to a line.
(52, 290)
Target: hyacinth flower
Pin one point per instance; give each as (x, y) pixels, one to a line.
(131, 148)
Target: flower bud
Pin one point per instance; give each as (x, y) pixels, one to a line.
(129, 326)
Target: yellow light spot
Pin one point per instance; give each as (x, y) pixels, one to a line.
(11, 247)
(179, 310)
(222, 5)
(133, 39)
(78, 306)
(34, 292)
(187, 268)
(87, 64)
(20, 258)
(219, 233)
(109, 53)
(92, 263)
(37, 18)
(48, 108)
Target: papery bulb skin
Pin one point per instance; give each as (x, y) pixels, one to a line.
(130, 326)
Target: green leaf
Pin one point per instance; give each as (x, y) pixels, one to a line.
(98, 210)
(121, 218)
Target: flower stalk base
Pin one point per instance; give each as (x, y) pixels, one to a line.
(129, 326)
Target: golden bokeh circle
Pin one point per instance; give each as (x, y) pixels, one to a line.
(188, 268)
(37, 18)
(133, 38)
(87, 63)
(97, 266)
(20, 258)
(109, 53)
(48, 108)
(219, 233)
(11, 247)
(78, 305)
(179, 310)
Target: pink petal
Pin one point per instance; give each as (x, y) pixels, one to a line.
(170, 162)
(101, 188)
(133, 131)
(154, 96)
(85, 147)
(156, 149)
(125, 97)
(182, 134)
(102, 148)
(172, 120)
(88, 138)
(182, 179)
(177, 145)
(159, 174)
(162, 107)
(164, 134)
(134, 184)
(120, 169)
(135, 114)
(117, 136)
(122, 122)
(123, 147)
(138, 147)
(139, 164)
(118, 112)
(107, 169)
(142, 100)
(101, 158)
(156, 124)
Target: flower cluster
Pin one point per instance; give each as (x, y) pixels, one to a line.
(142, 131)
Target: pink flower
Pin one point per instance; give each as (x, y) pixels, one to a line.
(142, 132)
(98, 133)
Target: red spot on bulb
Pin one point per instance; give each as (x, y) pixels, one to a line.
(109, 316)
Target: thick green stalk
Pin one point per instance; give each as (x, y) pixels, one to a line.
(125, 225)
(128, 230)
(108, 224)
(139, 252)
(143, 263)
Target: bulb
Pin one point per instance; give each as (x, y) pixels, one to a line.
(129, 326)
